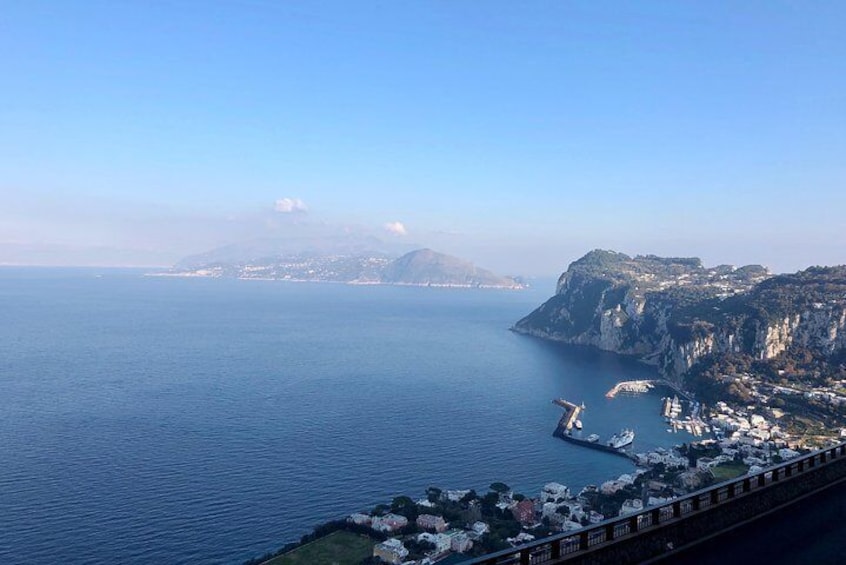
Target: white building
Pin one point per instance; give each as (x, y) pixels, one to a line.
(388, 523)
(626, 479)
(390, 551)
(575, 508)
(595, 517)
(520, 538)
(459, 541)
(440, 541)
(570, 525)
(549, 509)
(360, 519)
(786, 453)
(610, 487)
(705, 463)
(631, 506)
(553, 492)
(480, 528)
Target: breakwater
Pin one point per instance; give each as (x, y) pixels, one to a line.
(638, 386)
(564, 430)
(571, 414)
(659, 533)
(559, 433)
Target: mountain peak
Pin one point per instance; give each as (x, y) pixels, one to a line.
(297, 262)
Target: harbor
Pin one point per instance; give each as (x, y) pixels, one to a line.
(672, 407)
(570, 419)
(673, 410)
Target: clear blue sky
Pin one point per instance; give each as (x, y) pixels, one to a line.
(518, 134)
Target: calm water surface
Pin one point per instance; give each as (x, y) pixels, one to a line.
(153, 420)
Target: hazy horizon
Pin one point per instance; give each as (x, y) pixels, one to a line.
(517, 137)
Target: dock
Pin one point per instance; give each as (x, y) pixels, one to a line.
(571, 414)
(645, 385)
(671, 410)
(568, 437)
(565, 428)
(637, 386)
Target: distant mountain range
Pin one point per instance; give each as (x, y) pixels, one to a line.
(336, 261)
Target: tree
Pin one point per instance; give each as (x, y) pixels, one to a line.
(404, 506)
(468, 497)
(401, 502)
(489, 502)
(433, 494)
(419, 548)
(499, 487)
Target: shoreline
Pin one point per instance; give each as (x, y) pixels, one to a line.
(350, 283)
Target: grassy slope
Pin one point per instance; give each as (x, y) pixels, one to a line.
(729, 471)
(341, 548)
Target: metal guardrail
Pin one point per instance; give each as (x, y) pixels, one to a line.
(561, 546)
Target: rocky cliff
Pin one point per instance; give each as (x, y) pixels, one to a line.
(672, 312)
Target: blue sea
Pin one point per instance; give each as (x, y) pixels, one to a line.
(165, 420)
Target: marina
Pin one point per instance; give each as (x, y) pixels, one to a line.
(672, 407)
(672, 411)
(616, 444)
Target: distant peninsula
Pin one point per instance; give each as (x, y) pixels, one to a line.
(421, 267)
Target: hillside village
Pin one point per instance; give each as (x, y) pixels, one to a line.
(448, 526)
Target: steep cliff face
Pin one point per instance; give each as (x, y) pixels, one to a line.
(672, 312)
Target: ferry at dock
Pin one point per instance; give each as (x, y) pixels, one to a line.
(622, 439)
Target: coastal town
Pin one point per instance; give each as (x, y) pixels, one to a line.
(422, 267)
(451, 526)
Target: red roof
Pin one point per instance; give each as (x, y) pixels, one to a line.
(524, 511)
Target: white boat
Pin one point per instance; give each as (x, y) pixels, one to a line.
(578, 424)
(622, 439)
(593, 438)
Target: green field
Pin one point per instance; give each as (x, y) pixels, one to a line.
(729, 471)
(338, 548)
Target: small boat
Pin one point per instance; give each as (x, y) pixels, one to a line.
(578, 424)
(593, 438)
